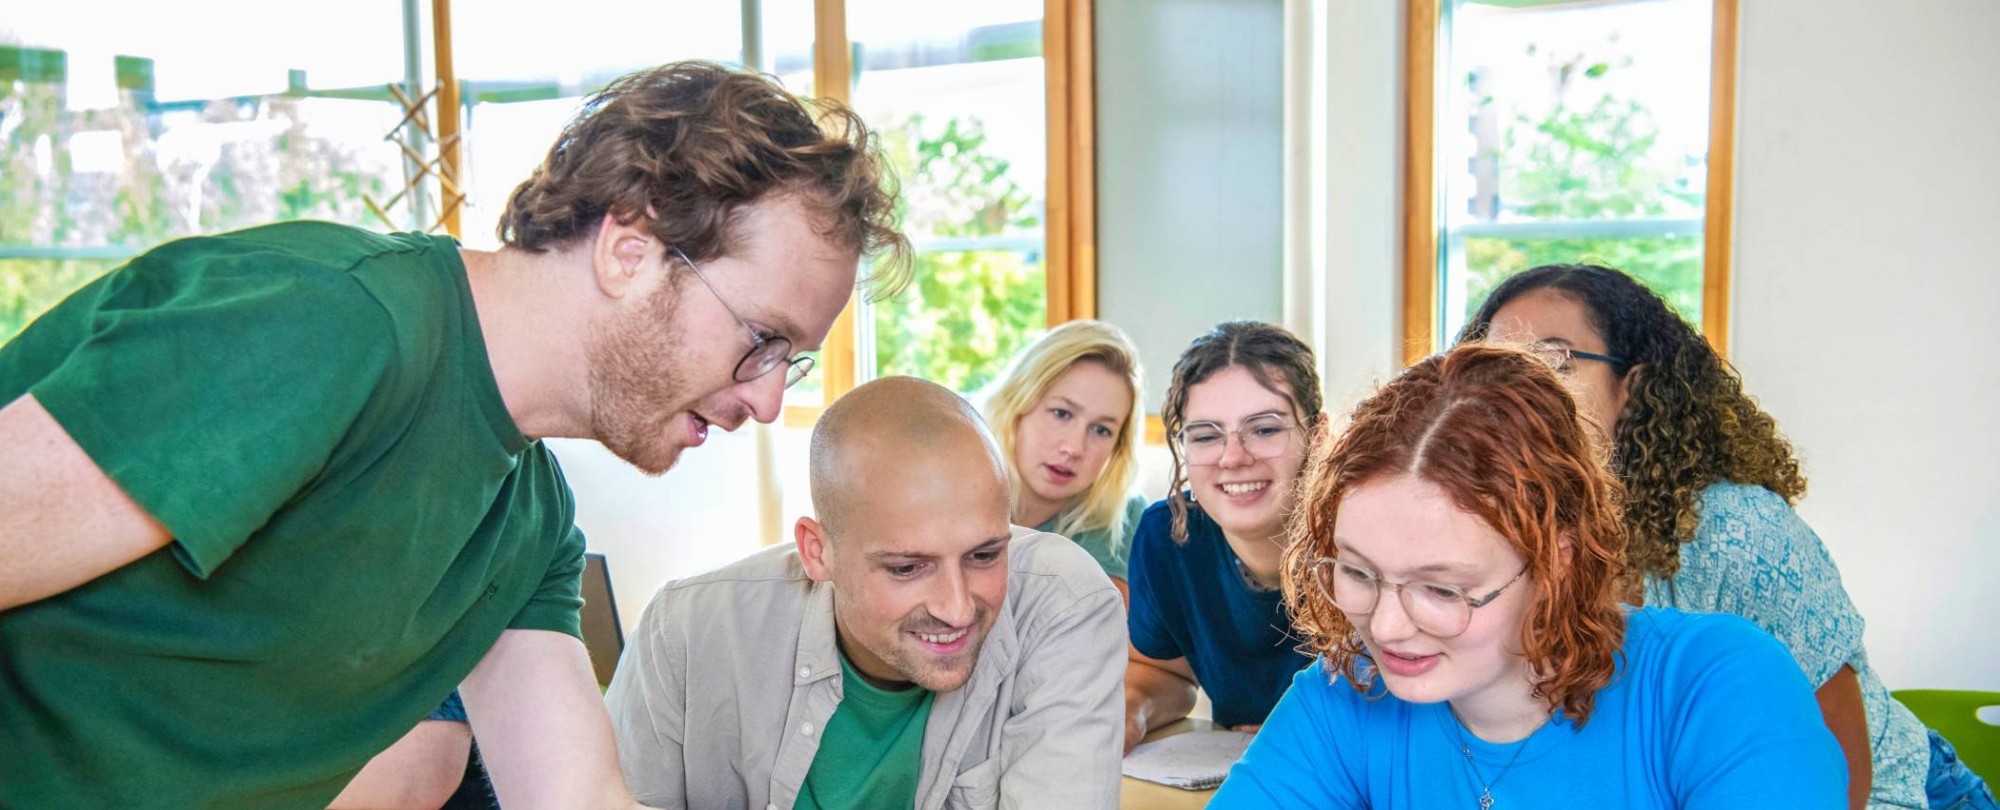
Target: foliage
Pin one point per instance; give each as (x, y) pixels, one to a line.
(968, 310)
(253, 161)
(1593, 162)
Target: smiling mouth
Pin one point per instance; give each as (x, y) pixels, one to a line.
(1244, 488)
(944, 638)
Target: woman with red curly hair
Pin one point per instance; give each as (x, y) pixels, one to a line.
(1709, 488)
(1457, 563)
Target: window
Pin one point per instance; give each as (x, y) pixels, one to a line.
(983, 109)
(119, 131)
(1549, 132)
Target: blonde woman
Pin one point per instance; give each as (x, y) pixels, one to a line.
(1067, 417)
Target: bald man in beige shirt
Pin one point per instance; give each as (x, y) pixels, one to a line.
(912, 577)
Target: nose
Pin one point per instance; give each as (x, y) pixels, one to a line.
(951, 600)
(1390, 622)
(1234, 454)
(1071, 442)
(765, 395)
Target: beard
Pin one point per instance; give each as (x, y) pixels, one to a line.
(638, 383)
(931, 672)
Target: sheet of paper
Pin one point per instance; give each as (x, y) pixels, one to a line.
(1196, 760)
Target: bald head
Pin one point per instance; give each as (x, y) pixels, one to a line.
(896, 433)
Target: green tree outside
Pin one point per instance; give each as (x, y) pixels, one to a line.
(290, 173)
(1594, 162)
(968, 311)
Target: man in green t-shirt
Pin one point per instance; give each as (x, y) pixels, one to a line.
(268, 497)
(909, 650)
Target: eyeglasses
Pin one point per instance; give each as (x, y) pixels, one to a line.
(1262, 436)
(1565, 356)
(767, 352)
(1435, 608)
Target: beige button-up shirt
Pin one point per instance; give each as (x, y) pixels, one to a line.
(730, 676)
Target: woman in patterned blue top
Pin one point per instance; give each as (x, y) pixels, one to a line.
(1710, 485)
(1456, 561)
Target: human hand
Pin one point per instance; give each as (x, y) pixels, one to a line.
(1135, 730)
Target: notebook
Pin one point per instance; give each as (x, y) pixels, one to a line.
(1196, 760)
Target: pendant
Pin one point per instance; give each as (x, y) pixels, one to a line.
(1486, 799)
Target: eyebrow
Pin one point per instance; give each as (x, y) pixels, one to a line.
(1466, 569)
(991, 542)
(1272, 412)
(784, 327)
(1109, 418)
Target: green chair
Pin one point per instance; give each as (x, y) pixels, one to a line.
(1955, 715)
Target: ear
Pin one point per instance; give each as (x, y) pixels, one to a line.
(810, 537)
(1565, 554)
(620, 252)
(1625, 384)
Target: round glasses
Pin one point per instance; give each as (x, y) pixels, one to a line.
(767, 352)
(1435, 608)
(1262, 436)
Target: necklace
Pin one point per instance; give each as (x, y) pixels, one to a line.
(1485, 787)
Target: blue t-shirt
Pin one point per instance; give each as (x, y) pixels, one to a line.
(1191, 601)
(1754, 557)
(1706, 711)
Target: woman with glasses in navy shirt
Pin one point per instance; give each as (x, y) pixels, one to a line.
(1242, 411)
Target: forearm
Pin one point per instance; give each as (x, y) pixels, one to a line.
(1154, 697)
(541, 724)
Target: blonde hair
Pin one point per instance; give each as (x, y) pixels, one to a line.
(1028, 379)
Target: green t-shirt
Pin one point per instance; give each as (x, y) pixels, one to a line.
(309, 410)
(871, 754)
(1111, 553)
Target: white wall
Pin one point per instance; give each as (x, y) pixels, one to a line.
(1867, 261)
(1188, 170)
(1866, 275)
(700, 515)
(1343, 222)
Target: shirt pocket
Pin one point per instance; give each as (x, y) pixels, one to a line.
(976, 789)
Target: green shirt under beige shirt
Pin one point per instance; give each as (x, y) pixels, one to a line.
(730, 678)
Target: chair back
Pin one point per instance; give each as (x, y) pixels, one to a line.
(1955, 714)
(603, 633)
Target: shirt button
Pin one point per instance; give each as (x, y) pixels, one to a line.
(805, 672)
(806, 729)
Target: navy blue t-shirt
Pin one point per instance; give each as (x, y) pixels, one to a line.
(1191, 601)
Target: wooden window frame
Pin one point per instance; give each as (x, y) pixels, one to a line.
(1420, 192)
(1070, 266)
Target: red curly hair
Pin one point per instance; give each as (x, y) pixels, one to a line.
(1494, 427)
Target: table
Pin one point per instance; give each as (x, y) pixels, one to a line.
(1135, 794)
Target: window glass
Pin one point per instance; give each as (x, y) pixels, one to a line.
(958, 92)
(1573, 132)
(122, 130)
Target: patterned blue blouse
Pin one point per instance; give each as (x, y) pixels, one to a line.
(1754, 557)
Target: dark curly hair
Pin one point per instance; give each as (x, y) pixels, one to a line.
(1687, 423)
(1261, 349)
(1498, 430)
(688, 145)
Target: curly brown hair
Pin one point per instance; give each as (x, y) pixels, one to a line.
(1687, 423)
(1263, 350)
(1496, 428)
(688, 145)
